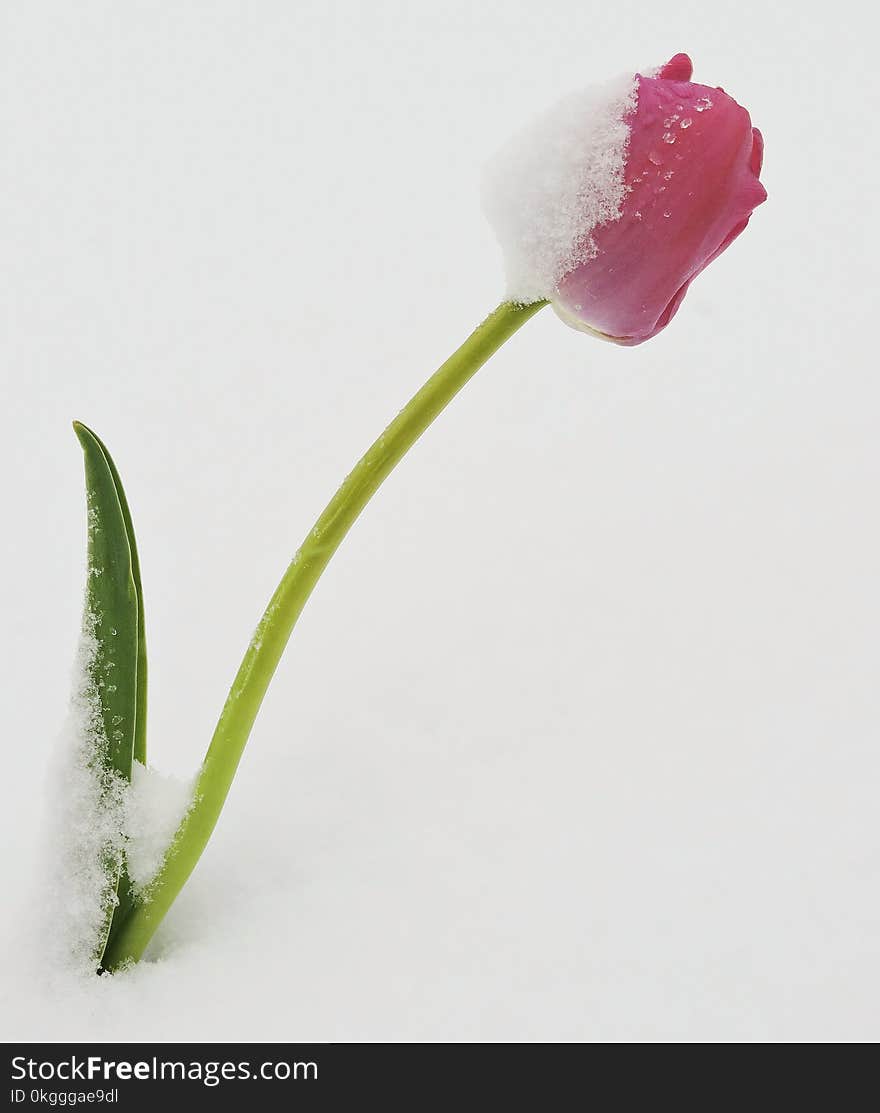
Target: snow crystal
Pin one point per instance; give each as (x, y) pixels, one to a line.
(551, 186)
(87, 809)
(155, 805)
(98, 823)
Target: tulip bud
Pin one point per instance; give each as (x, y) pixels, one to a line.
(664, 177)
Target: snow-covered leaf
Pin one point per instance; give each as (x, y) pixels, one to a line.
(115, 615)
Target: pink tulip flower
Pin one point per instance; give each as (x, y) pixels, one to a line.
(691, 178)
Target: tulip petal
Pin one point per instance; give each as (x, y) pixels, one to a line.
(756, 160)
(678, 68)
(692, 182)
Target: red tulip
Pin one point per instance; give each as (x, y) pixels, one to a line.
(691, 180)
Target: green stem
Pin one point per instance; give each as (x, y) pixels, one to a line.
(271, 636)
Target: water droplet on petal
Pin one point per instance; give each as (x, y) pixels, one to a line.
(667, 213)
(686, 122)
(668, 137)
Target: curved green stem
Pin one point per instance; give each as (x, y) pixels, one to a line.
(271, 636)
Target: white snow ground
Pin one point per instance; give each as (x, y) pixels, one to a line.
(579, 737)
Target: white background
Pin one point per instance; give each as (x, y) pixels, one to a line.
(578, 736)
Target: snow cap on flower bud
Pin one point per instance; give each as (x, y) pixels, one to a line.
(612, 203)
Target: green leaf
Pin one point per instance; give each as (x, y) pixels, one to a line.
(140, 733)
(115, 614)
